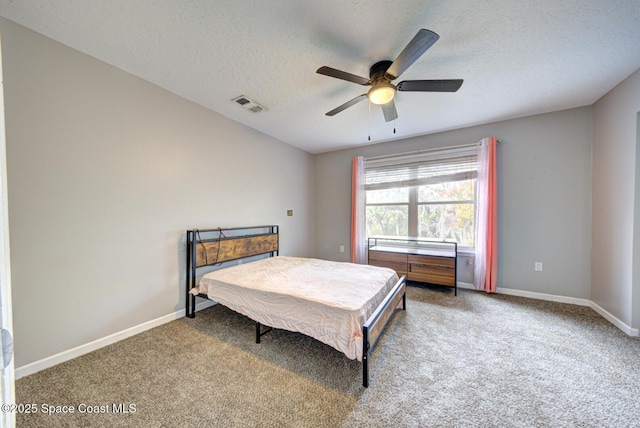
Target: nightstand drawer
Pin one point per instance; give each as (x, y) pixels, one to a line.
(433, 270)
(395, 261)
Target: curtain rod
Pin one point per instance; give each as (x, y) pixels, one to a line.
(417, 152)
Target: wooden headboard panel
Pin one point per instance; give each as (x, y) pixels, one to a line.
(242, 242)
(225, 249)
(207, 247)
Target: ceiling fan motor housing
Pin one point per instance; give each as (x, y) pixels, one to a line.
(379, 70)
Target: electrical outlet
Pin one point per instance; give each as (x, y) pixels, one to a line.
(342, 248)
(538, 266)
(289, 213)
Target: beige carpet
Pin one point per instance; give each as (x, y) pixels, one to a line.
(472, 360)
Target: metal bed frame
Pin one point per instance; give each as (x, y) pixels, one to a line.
(244, 242)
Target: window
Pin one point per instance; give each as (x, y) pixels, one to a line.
(430, 195)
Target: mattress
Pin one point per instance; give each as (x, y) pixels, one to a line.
(329, 301)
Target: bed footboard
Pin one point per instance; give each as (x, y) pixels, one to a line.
(376, 323)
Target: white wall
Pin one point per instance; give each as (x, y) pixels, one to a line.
(615, 202)
(544, 190)
(105, 174)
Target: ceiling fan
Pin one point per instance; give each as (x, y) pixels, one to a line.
(382, 73)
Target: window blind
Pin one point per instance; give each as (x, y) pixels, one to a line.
(422, 168)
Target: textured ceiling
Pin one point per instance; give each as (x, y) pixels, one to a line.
(517, 58)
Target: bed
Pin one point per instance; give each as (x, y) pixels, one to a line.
(343, 305)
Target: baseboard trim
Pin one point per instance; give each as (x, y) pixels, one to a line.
(627, 329)
(545, 296)
(630, 331)
(70, 354)
(466, 285)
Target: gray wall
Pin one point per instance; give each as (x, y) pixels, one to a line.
(616, 205)
(105, 174)
(544, 190)
(635, 287)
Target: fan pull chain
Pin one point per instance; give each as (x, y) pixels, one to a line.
(369, 121)
(394, 126)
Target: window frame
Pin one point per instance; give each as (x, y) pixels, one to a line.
(413, 205)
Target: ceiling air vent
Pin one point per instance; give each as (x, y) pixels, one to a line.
(249, 104)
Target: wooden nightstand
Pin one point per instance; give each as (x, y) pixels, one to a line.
(422, 260)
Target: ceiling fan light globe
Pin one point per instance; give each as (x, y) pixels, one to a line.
(381, 93)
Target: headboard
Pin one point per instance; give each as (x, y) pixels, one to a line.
(209, 247)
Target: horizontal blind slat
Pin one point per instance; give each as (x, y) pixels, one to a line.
(407, 171)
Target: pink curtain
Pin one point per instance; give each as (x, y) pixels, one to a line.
(486, 257)
(358, 250)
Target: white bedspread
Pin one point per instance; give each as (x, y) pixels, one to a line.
(329, 301)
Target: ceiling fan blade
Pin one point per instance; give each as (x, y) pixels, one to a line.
(416, 47)
(346, 105)
(451, 85)
(338, 74)
(389, 111)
